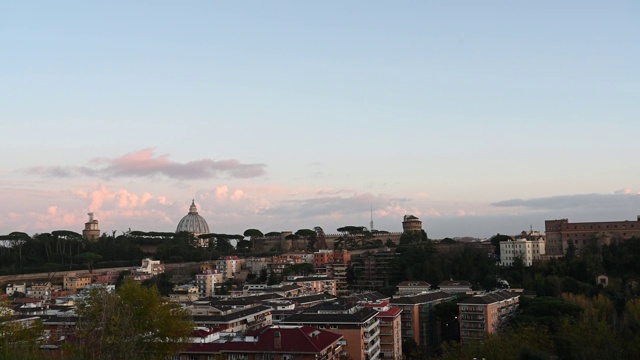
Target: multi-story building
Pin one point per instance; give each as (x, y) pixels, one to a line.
(151, 267)
(14, 288)
(521, 248)
(230, 319)
(560, 233)
(256, 265)
(109, 277)
(206, 282)
(412, 287)
(417, 321)
(455, 286)
(279, 263)
(376, 268)
(338, 271)
(184, 293)
(485, 313)
(322, 257)
(390, 329)
(228, 266)
(41, 290)
(314, 284)
(74, 282)
(272, 342)
(359, 326)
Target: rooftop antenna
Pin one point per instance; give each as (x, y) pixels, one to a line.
(371, 223)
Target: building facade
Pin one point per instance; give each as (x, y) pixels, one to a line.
(482, 314)
(411, 223)
(358, 325)
(91, 229)
(527, 247)
(417, 321)
(560, 233)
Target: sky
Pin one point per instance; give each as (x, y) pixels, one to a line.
(477, 117)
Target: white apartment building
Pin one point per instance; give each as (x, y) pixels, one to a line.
(528, 250)
(153, 267)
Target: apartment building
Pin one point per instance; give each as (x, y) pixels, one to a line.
(322, 257)
(74, 282)
(41, 290)
(272, 342)
(184, 293)
(390, 329)
(527, 250)
(482, 314)
(376, 269)
(455, 286)
(314, 284)
(358, 325)
(409, 287)
(229, 266)
(150, 267)
(207, 281)
(417, 321)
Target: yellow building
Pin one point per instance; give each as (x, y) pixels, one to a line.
(73, 282)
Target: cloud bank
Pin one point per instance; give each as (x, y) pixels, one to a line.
(145, 163)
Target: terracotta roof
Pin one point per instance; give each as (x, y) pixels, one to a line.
(294, 339)
(392, 312)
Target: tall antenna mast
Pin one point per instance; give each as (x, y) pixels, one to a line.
(371, 223)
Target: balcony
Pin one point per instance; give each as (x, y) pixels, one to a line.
(371, 324)
(370, 336)
(373, 352)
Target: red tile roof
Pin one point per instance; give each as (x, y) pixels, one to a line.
(304, 339)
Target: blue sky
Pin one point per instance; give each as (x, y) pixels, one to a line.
(281, 115)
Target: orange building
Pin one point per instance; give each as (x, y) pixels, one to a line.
(331, 256)
(485, 313)
(390, 330)
(73, 282)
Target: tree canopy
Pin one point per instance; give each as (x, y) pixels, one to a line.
(134, 322)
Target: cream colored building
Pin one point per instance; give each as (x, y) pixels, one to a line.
(528, 250)
(206, 282)
(184, 293)
(153, 267)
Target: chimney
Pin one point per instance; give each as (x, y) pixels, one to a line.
(277, 340)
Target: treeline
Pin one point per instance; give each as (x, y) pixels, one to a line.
(68, 250)
(576, 272)
(574, 327)
(419, 260)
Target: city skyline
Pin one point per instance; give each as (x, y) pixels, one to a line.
(478, 119)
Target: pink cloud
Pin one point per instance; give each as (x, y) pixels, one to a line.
(145, 163)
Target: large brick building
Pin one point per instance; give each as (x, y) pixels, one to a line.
(560, 233)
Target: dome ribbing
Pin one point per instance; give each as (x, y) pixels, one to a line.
(193, 223)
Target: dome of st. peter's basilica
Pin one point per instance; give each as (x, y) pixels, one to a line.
(193, 223)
